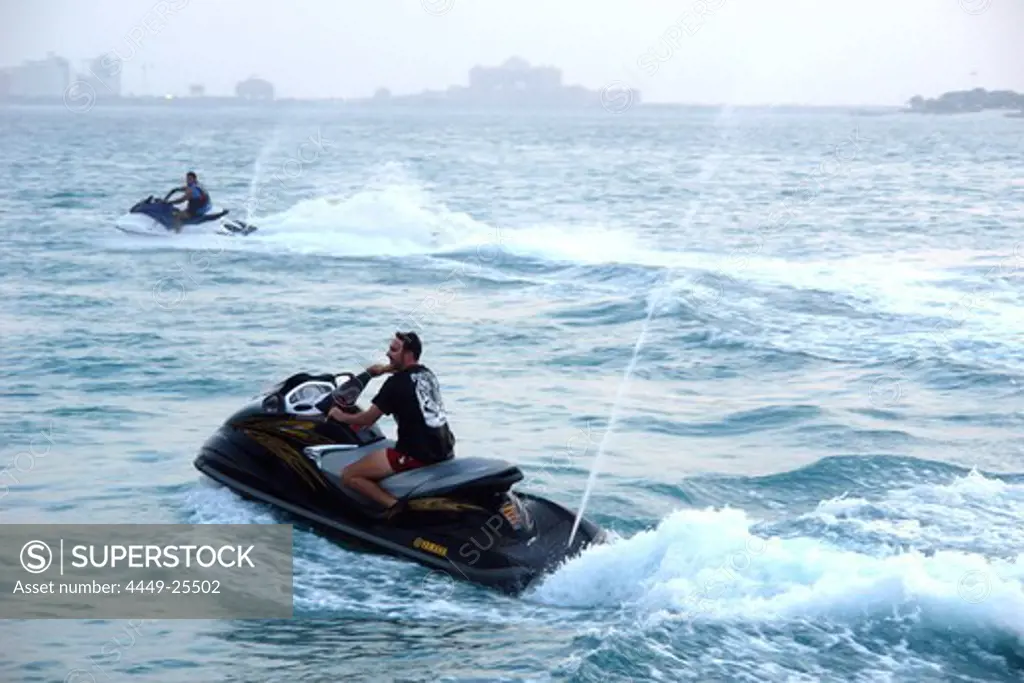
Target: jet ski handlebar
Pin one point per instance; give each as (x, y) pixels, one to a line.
(294, 392)
(348, 392)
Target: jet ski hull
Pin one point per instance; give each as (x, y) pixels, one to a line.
(155, 218)
(462, 518)
(463, 552)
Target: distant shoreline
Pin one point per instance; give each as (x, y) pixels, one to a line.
(969, 102)
(399, 103)
(956, 102)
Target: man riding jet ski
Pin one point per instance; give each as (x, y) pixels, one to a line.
(305, 447)
(196, 197)
(413, 396)
(154, 216)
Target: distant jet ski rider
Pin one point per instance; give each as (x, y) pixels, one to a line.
(197, 197)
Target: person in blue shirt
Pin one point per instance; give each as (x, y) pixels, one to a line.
(197, 198)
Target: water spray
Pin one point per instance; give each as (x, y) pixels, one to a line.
(708, 169)
(257, 171)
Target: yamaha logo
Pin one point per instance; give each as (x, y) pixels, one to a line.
(511, 513)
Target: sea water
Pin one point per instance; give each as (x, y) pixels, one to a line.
(815, 472)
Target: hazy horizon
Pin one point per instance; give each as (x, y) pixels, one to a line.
(699, 52)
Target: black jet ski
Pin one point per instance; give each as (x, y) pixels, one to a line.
(462, 517)
(153, 216)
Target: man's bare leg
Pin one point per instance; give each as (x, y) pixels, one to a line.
(364, 474)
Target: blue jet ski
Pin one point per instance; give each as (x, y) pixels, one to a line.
(154, 216)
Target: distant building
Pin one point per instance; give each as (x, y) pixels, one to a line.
(103, 74)
(515, 74)
(197, 90)
(5, 83)
(516, 83)
(255, 89)
(48, 77)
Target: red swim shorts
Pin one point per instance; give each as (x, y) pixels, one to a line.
(400, 462)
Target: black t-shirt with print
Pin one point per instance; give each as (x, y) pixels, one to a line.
(413, 397)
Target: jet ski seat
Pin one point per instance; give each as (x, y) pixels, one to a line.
(455, 474)
(460, 474)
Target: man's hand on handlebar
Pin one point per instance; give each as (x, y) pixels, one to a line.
(379, 369)
(338, 413)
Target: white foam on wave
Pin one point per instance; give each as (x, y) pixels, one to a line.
(703, 565)
(395, 215)
(905, 283)
(984, 305)
(580, 245)
(710, 565)
(395, 220)
(972, 511)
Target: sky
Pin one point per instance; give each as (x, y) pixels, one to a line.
(817, 52)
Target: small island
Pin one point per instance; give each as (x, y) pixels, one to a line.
(969, 101)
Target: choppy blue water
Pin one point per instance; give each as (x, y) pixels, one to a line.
(815, 472)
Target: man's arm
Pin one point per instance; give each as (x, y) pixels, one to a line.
(184, 195)
(363, 418)
(370, 415)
